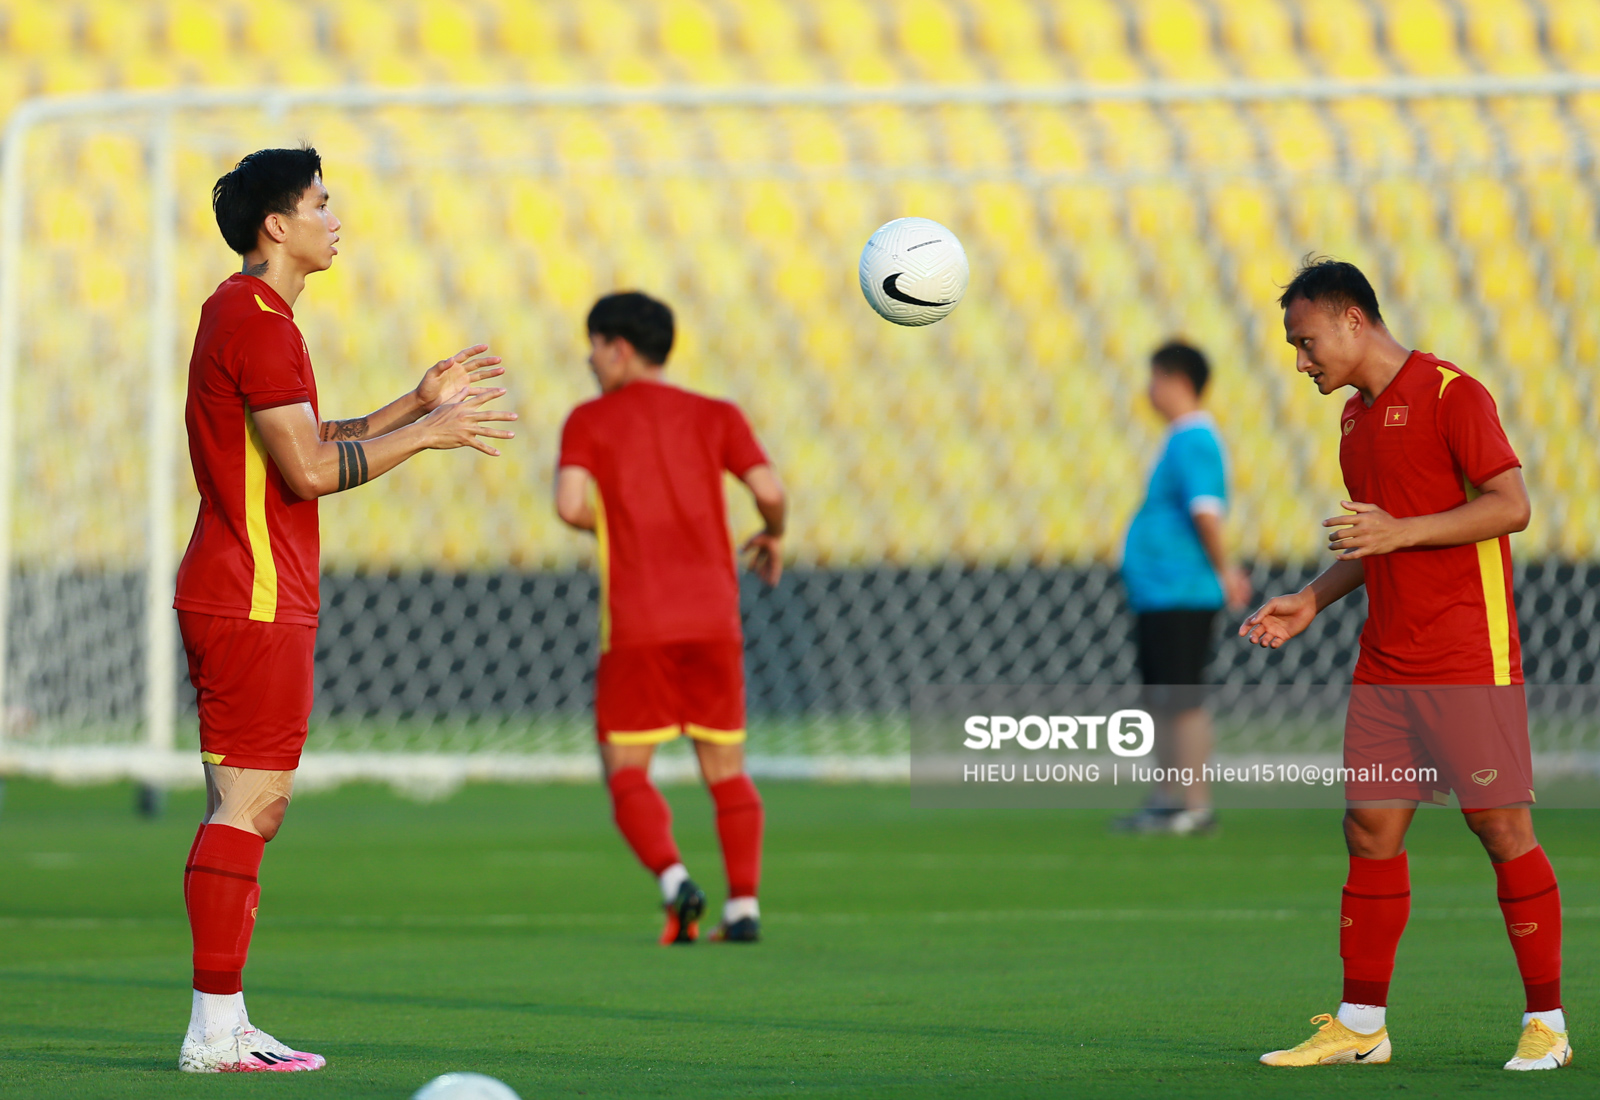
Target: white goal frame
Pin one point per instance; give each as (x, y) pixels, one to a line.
(155, 761)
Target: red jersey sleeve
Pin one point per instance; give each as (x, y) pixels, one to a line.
(1470, 425)
(740, 451)
(268, 355)
(577, 448)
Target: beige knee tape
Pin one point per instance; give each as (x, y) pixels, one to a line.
(242, 793)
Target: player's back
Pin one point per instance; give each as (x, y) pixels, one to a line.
(657, 454)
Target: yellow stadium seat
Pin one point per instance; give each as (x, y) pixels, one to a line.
(1504, 276)
(929, 34)
(1374, 133)
(1424, 269)
(1422, 37)
(115, 28)
(528, 31)
(974, 139)
(71, 72)
(1342, 38)
(1108, 271)
(1215, 135)
(1504, 36)
(1534, 130)
(771, 214)
(1013, 37)
(1132, 137)
(769, 32)
(1560, 207)
(1455, 129)
(38, 28)
(1159, 212)
(1085, 211)
(1574, 30)
(742, 136)
(366, 29)
(1297, 138)
(691, 37)
(1482, 210)
(1243, 214)
(1052, 138)
(1004, 212)
(846, 28)
(1176, 37)
(891, 135)
(1326, 218)
(198, 30)
(814, 139)
(1094, 33)
(448, 30)
(1259, 36)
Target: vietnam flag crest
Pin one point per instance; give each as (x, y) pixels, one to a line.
(1395, 416)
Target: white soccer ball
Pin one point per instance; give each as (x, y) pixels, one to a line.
(913, 271)
(465, 1086)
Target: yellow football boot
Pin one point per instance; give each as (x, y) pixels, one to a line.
(1541, 1048)
(1333, 1045)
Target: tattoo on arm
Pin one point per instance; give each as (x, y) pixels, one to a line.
(344, 429)
(257, 270)
(352, 465)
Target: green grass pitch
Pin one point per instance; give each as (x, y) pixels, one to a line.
(909, 953)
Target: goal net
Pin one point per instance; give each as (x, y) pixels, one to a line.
(959, 491)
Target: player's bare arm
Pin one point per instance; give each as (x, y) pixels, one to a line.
(766, 545)
(1501, 508)
(574, 497)
(1236, 588)
(446, 382)
(1282, 617)
(314, 466)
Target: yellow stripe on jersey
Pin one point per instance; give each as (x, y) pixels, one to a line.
(1496, 605)
(264, 588)
(266, 307)
(1446, 375)
(603, 552)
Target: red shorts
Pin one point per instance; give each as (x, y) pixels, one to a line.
(1420, 743)
(647, 694)
(253, 682)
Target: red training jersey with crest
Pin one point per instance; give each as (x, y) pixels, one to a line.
(255, 552)
(657, 454)
(1442, 615)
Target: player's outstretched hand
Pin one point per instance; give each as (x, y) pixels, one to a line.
(766, 559)
(461, 423)
(1370, 530)
(1279, 619)
(453, 379)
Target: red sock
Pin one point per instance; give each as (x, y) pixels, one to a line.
(188, 864)
(1377, 901)
(222, 898)
(1531, 902)
(740, 818)
(644, 818)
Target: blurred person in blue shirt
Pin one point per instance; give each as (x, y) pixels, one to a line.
(1176, 570)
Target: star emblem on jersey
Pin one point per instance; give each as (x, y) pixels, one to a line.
(1349, 426)
(1524, 929)
(1484, 777)
(899, 295)
(1345, 922)
(1395, 416)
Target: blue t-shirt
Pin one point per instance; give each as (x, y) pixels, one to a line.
(1164, 564)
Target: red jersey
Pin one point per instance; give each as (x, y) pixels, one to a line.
(657, 454)
(255, 552)
(1434, 616)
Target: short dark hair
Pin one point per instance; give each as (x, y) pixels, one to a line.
(1177, 357)
(637, 318)
(268, 181)
(1332, 284)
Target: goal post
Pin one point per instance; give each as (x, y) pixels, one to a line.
(1100, 219)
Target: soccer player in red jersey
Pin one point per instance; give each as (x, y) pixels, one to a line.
(247, 596)
(1437, 704)
(642, 466)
